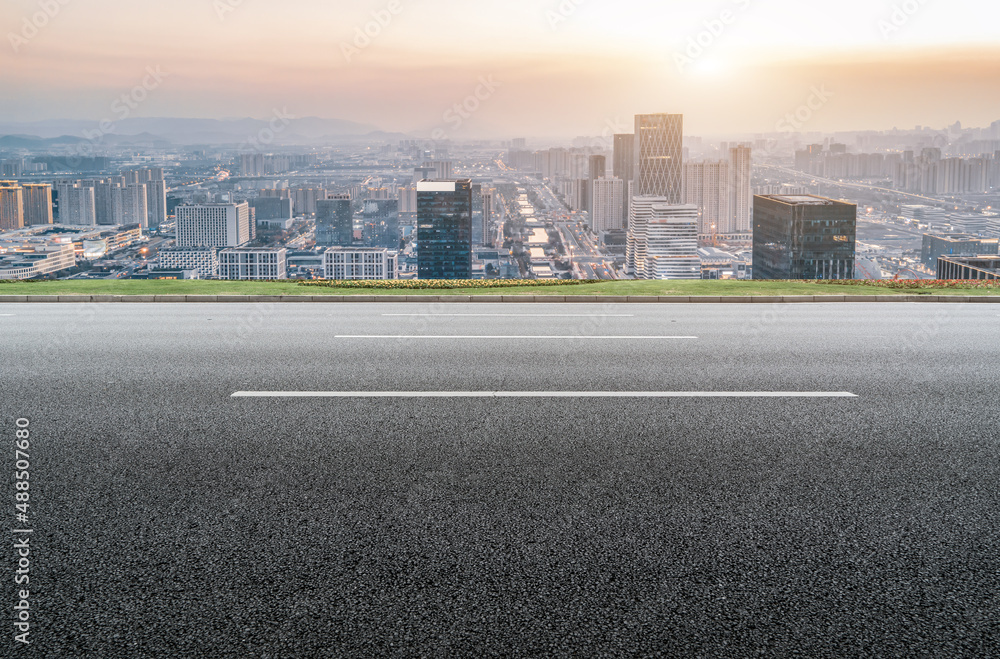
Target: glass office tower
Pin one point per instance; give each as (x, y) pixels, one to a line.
(803, 237)
(335, 221)
(444, 229)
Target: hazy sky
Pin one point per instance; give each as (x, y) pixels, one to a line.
(558, 68)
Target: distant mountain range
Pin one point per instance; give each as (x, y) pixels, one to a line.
(165, 132)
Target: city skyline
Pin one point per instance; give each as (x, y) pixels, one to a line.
(539, 70)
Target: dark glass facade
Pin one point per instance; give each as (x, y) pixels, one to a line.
(803, 237)
(335, 222)
(381, 223)
(444, 229)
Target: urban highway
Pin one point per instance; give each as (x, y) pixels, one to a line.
(455, 480)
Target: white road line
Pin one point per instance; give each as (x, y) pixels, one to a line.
(505, 315)
(492, 338)
(543, 394)
(6, 315)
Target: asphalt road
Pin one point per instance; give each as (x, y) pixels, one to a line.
(172, 520)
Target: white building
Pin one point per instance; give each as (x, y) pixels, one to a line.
(662, 240)
(40, 260)
(608, 205)
(213, 225)
(247, 263)
(344, 263)
(205, 260)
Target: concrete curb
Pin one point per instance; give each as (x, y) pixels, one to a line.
(523, 299)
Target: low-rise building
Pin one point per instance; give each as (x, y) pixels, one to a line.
(253, 263)
(205, 260)
(969, 267)
(344, 263)
(32, 262)
(955, 244)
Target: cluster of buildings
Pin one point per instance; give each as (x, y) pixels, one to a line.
(927, 172)
(719, 189)
(36, 251)
(137, 196)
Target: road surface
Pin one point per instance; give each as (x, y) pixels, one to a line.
(856, 512)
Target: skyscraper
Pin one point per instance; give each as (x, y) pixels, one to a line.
(624, 168)
(213, 225)
(741, 192)
(335, 221)
(662, 240)
(624, 157)
(37, 203)
(444, 229)
(608, 202)
(658, 157)
(488, 216)
(707, 186)
(803, 237)
(11, 206)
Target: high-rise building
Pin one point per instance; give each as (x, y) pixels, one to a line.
(306, 199)
(597, 167)
(444, 229)
(488, 202)
(624, 156)
(608, 204)
(658, 157)
(438, 169)
(156, 193)
(11, 206)
(662, 240)
(76, 204)
(380, 219)
(741, 193)
(803, 237)
(707, 186)
(335, 221)
(213, 225)
(37, 203)
(624, 167)
(130, 205)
